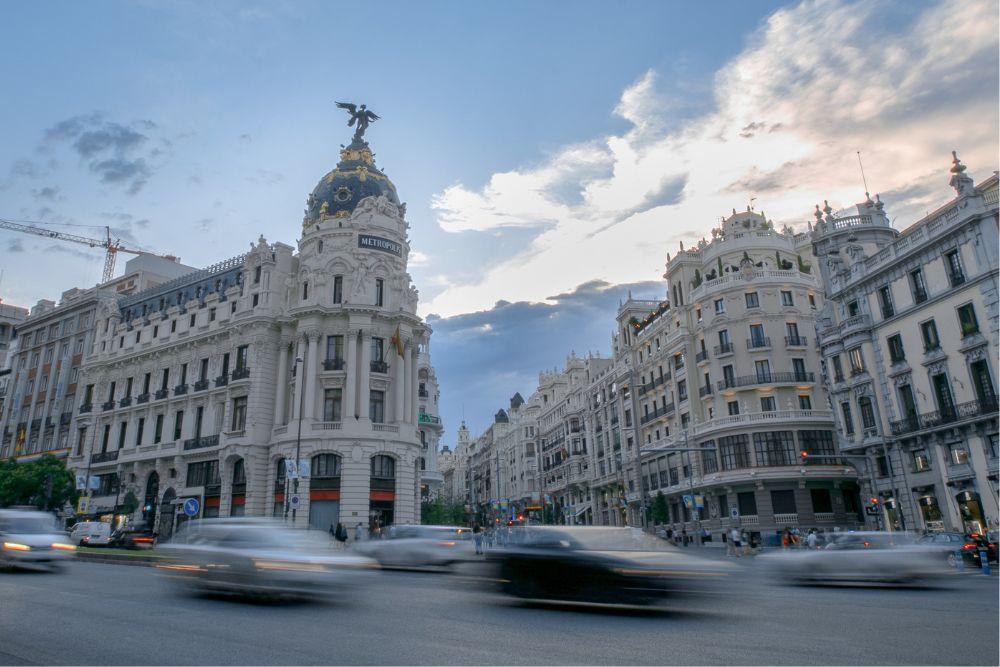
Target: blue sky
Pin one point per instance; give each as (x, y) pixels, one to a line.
(540, 146)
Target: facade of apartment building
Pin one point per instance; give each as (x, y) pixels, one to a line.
(910, 344)
(43, 390)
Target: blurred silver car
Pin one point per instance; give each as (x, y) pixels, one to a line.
(33, 540)
(420, 546)
(861, 557)
(260, 557)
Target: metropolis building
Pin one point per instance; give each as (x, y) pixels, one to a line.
(211, 385)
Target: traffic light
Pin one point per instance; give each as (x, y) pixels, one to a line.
(804, 455)
(874, 500)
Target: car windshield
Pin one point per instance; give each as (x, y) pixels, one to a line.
(27, 525)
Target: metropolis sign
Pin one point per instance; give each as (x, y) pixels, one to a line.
(378, 243)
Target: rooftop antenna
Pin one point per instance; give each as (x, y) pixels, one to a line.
(863, 179)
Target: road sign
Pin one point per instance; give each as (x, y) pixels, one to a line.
(689, 502)
(305, 466)
(734, 512)
(191, 506)
(83, 505)
(699, 501)
(81, 482)
(294, 502)
(291, 470)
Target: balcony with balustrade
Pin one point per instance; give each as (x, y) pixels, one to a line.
(959, 414)
(771, 378)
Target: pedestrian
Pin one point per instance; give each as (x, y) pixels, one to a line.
(358, 532)
(477, 538)
(811, 539)
(340, 533)
(333, 531)
(747, 542)
(737, 539)
(684, 536)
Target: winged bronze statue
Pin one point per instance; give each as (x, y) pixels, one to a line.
(361, 115)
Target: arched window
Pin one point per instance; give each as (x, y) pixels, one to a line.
(325, 465)
(867, 413)
(383, 467)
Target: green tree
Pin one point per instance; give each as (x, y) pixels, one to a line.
(44, 483)
(660, 514)
(130, 503)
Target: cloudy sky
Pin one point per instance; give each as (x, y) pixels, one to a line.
(550, 154)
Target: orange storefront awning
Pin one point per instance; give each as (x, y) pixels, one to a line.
(324, 494)
(382, 495)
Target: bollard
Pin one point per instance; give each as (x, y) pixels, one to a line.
(984, 562)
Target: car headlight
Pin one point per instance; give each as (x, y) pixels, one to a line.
(16, 546)
(288, 566)
(62, 546)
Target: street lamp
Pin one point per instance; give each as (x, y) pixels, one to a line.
(298, 435)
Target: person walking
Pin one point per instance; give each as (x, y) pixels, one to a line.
(812, 539)
(735, 537)
(477, 538)
(340, 533)
(359, 532)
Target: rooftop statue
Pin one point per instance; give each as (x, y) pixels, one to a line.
(361, 115)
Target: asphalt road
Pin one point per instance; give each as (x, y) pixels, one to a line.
(114, 614)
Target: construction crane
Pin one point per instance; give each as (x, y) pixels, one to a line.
(111, 246)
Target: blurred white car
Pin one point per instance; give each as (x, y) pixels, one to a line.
(859, 557)
(32, 539)
(420, 546)
(260, 557)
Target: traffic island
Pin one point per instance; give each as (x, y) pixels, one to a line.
(143, 558)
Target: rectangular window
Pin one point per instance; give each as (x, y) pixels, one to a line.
(882, 465)
(122, 430)
(783, 502)
(845, 409)
(799, 370)
(747, 503)
(239, 422)
(184, 373)
(203, 372)
(958, 454)
(158, 429)
(885, 302)
(852, 309)
(734, 407)
(897, 354)
(81, 437)
(106, 437)
(178, 424)
(242, 357)
(338, 289)
(821, 501)
(376, 409)
(928, 330)
(757, 337)
(331, 405)
(192, 321)
(734, 451)
(817, 443)
(775, 448)
(921, 461)
(867, 413)
(377, 349)
(199, 418)
(805, 402)
(305, 291)
(763, 369)
(211, 314)
(145, 382)
(967, 320)
(838, 370)
(752, 300)
(917, 286)
(682, 390)
(334, 348)
(203, 473)
(720, 306)
(678, 361)
(857, 360)
(954, 265)
(256, 276)
(767, 404)
(140, 426)
(786, 298)
(379, 291)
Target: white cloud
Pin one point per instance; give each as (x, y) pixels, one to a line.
(814, 84)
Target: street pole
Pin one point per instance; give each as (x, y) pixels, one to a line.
(298, 435)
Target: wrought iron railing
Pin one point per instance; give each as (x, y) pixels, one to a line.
(949, 415)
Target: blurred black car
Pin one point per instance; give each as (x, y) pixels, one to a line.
(598, 565)
(969, 547)
(133, 538)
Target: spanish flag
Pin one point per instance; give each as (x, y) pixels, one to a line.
(397, 340)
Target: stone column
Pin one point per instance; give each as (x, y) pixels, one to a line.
(413, 386)
(399, 385)
(281, 384)
(405, 400)
(300, 350)
(364, 372)
(310, 371)
(351, 378)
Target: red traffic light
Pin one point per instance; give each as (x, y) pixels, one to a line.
(804, 455)
(874, 500)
